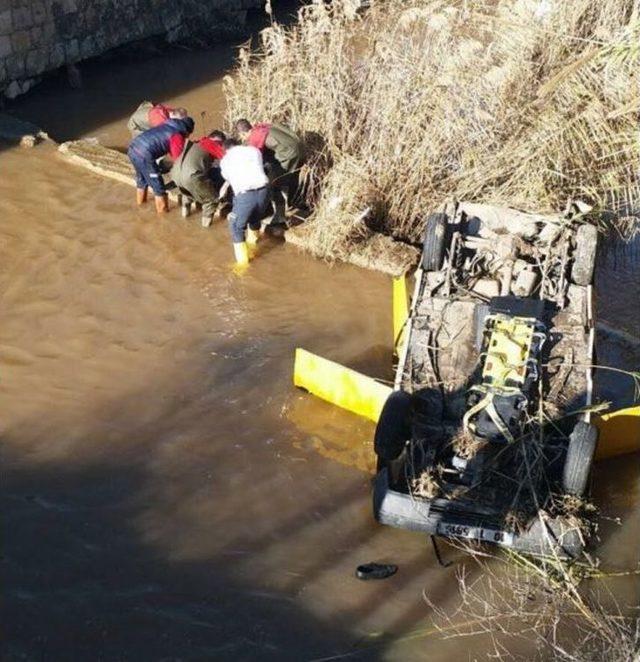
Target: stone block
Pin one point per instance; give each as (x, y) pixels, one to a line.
(56, 56)
(72, 50)
(48, 29)
(15, 65)
(36, 61)
(21, 41)
(27, 84)
(6, 25)
(22, 18)
(13, 90)
(88, 47)
(5, 45)
(68, 6)
(100, 38)
(39, 11)
(36, 36)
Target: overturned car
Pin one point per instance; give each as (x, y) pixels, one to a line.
(487, 432)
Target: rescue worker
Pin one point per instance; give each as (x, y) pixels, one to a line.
(196, 172)
(149, 115)
(282, 149)
(243, 168)
(151, 145)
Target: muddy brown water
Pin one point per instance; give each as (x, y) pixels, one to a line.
(167, 494)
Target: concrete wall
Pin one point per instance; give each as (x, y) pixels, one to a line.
(40, 35)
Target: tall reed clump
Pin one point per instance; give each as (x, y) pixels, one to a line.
(518, 102)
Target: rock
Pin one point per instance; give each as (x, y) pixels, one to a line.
(5, 45)
(21, 41)
(13, 90)
(28, 141)
(22, 18)
(6, 25)
(36, 35)
(87, 49)
(36, 61)
(15, 66)
(56, 56)
(72, 50)
(39, 10)
(74, 77)
(27, 84)
(376, 251)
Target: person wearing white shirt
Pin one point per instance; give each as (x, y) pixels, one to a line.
(242, 167)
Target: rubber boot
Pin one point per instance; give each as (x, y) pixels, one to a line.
(252, 236)
(162, 203)
(241, 252)
(141, 196)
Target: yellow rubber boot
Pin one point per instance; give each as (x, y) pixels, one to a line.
(252, 236)
(241, 252)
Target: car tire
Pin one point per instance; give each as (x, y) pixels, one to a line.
(584, 256)
(433, 246)
(577, 465)
(394, 427)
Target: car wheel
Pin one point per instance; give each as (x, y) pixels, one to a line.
(577, 466)
(584, 256)
(394, 427)
(433, 246)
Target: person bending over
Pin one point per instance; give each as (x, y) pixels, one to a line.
(196, 172)
(281, 140)
(149, 115)
(282, 150)
(243, 168)
(151, 145)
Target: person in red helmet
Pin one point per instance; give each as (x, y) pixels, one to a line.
(282, 150)
(196, 172)
(149, 115)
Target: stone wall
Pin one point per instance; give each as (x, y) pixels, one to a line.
(37, 36)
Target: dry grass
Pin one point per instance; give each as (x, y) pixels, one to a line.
(541, 602)
(415, 101)
(426, 485)
(466, 445)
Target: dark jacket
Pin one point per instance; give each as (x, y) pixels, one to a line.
(193, 162)
(155, 143)
(285, 145)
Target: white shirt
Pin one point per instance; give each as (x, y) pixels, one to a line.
(242, 167)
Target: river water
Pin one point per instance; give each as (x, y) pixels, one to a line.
(167, 493)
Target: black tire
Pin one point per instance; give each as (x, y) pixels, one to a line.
(577, 466)
(584, 256)
(433, 246)
(394, 427)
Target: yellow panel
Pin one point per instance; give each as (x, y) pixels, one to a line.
(400, 311)
(341, 386)
(619, 432)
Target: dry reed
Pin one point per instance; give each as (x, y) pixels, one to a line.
(516, 102)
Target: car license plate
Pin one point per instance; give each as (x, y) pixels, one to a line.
(475, 533)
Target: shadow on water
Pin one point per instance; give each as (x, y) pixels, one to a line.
(154, 528)
(154, 553)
